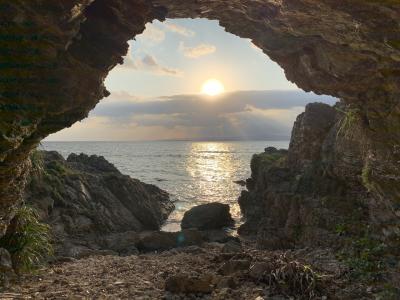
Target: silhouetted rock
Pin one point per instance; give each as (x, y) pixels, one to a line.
(90, 205)
(207, 216)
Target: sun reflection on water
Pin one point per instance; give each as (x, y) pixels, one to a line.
(211, 165)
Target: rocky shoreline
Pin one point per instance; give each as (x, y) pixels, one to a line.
(306, 233)
(89, 204)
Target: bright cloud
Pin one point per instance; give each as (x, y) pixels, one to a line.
(152, 34)
(148, 63)
(178, 29)
(197, 51)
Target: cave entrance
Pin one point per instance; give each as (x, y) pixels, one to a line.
(188, 108)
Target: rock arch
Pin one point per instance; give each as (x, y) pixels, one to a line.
(55, 56)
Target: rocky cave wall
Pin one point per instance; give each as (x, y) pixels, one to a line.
(55, 56)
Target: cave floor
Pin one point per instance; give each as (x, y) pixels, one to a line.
(143, 276)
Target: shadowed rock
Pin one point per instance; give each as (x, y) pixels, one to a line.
(91, 205)
(207, 216)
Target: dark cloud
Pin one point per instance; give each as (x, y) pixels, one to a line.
(245, 114)
(227, 103)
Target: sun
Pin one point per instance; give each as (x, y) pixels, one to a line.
(212, 87)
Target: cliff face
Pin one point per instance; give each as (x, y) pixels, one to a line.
(295, 198)
(56, 54)
(85, 199)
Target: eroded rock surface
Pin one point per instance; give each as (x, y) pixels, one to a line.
(90, 205)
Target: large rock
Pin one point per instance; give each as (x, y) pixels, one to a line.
(207, 216)
(90, 204)
(295, 197)
(309, 132)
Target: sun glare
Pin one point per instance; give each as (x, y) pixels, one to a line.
(212, 87)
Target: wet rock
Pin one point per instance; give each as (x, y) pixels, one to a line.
(184, 283)
(240, 182)
(207, 216)
(233, 266)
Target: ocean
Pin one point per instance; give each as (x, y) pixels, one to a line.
(192, 172)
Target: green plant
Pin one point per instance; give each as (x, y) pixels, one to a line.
(366, 175)
(27, 240)
(294, 279)
(364, 258)
(341, 228)
(351, 116)
(37, 160)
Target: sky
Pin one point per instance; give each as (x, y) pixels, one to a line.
(157, 93)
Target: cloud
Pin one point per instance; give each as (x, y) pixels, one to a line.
(148, 63)
(152, 34)
(198, 51)
(240, 115)
(178, 29)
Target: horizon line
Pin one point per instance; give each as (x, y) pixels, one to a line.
(281, 139)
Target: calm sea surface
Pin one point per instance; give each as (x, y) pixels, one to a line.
(192, 172)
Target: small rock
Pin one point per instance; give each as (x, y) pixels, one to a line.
(259, 269)
(6, 270)
(232, 247)
(240, 182)
(5, 260)
(234, 266)
(227, 282)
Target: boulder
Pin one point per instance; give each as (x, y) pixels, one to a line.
(207, 216)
